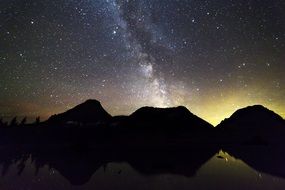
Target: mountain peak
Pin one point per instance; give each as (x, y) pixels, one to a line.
(157, 109)
(172, 116)
(256, 112)
(91, 101)
(253, 125)
(90, 111)
(257, 107)
(252, 115)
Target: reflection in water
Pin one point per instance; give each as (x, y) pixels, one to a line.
(266, 159)
(198, 168)
(78, 167)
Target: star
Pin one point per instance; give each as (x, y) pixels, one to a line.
(129, 54)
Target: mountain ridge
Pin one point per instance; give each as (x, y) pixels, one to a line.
(90, 111)
(91, 108)
(253, 125)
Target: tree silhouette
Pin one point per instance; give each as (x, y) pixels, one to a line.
(13, 122)
(1, 122)
(23, 122)
(38, 120)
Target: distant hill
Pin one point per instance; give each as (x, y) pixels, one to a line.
(250, 125)
(254, 124)
(167, 118)
(89, 112)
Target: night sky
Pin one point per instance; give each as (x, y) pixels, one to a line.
(213, 57)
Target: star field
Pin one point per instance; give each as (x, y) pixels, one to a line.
(211, 56)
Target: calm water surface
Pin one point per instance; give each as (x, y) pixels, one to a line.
(221, 171)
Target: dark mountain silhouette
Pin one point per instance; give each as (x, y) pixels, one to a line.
(147, 127)
(253, 125)
(118, 120)
(167, 124)
(160, 117)
(89, 112)
(151, 140)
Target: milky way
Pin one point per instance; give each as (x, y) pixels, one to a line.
(211, 56)
(150, 87)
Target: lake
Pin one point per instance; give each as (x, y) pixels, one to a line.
(198, 169)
